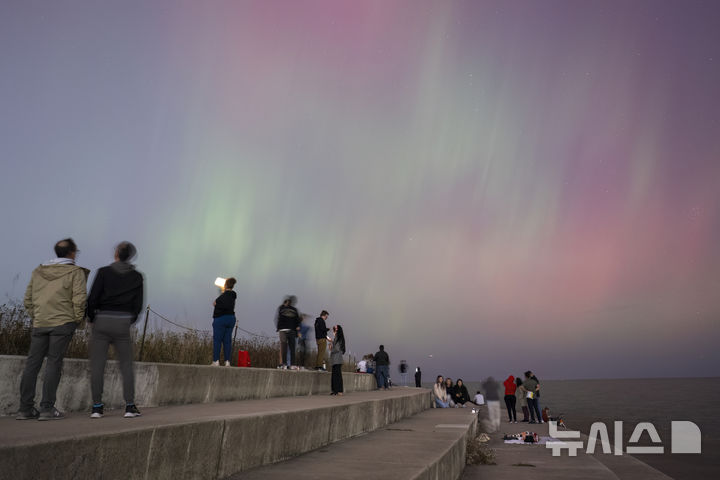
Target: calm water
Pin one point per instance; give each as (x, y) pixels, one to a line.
(658, 401)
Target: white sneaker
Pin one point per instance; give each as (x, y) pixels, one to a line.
(216, 363)
(227, 363)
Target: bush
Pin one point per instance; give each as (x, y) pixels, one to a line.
(191, 347)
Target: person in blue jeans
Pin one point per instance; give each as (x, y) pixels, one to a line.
(223, 322)
(382, 368)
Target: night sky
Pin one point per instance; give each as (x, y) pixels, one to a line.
(502, 185)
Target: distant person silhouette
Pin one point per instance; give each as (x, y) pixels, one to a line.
(403, 368)
(418, 377)
(55, 301)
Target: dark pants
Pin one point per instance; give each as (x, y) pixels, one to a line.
(287, 341)
(53, 343)
(322, 351)
(526, 413)
(510, 401)
(382, 375)
(417, 382)
(222, 336)
(336, 381)
(534, 409)
(112, 328)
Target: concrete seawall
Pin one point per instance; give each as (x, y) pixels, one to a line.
(158, 384)
(201, 441)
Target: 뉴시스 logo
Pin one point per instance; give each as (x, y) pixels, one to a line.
(685, 438)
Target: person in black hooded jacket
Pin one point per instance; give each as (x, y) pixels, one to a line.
(115, 300)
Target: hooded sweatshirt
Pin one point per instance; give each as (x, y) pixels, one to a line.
(57, 293)
(510, 386)
(117, 288)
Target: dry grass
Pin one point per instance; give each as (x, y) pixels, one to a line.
(160, 346)
(478, 452)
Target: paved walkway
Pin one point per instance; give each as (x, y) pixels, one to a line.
(532, 462)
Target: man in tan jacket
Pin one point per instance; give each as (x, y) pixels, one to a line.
(55, 300)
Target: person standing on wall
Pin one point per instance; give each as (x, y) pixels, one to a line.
(115, 300)
(288, 328)
(337, 350)
(418, 377)
(223, 322)
(382, 366)
(55, 300)
(321, 331)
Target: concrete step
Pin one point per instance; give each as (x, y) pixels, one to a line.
(158, 384)
(199, 441)
(429, 445)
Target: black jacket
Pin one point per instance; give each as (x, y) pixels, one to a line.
(116, 288)
(225, 304)
(460, 394)
(381, 358)
(320, 328)
(288, 318)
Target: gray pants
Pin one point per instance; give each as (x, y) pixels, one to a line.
(107, 328)
(53, 343)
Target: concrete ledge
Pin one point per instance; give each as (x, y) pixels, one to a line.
(197, 441)
(427, 446)
(158, 384)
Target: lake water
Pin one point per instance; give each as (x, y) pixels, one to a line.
(655, 400)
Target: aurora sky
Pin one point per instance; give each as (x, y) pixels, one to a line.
(484, 187)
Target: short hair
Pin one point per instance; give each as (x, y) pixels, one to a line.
(527, 374)
(125, 251)
(382, 347)
(324, 312)
(65, 247)
(230, 283)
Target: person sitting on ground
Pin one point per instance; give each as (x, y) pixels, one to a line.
(460, 394)
(440, 395)
(479, 399)
(450, 389)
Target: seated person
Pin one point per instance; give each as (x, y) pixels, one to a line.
(440, 396)
(460, 394)
(479, 399)
(450, 389)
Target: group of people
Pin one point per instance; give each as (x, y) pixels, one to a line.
(449, 395)
(57, 302)
(527, 394)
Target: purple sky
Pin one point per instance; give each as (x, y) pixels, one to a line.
(501, 185)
